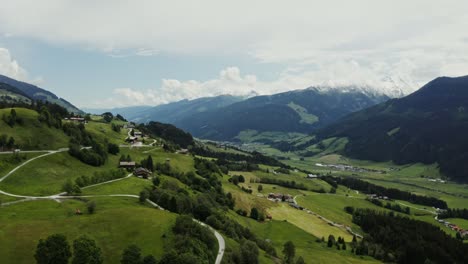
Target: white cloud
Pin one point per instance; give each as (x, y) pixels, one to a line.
(364, 42)
(229, 81)
(371, 78)
(269, 30)
(10, 67)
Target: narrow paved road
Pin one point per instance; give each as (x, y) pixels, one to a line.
(219, 237)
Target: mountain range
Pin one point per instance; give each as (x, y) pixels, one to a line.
(428, 126)
(27, 91)
(172, 112)
(226, 117)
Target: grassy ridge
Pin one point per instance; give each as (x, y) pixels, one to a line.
(45, 176)
(33, 134)
(104, 131)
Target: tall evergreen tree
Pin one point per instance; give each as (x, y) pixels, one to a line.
(149, 163)
(289, 251)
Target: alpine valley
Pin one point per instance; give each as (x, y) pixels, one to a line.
(320, 175)
(233, 132)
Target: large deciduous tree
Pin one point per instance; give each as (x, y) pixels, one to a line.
(55, 249)
(85, 251)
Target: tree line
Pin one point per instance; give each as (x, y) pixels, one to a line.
(192, 243)
(253, 158)
(394, 238)
(168, 132)
(283, 183)
(454, 213)
(392, 193)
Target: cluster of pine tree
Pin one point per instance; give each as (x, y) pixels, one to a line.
(252, 158)
(167, 132)
(393, 238)
(454, 213)
(12, 119)
(392, 193)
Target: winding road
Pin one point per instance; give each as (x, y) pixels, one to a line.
(57, 197)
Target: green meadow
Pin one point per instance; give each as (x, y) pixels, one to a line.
(33, 134)
(117, 223)
(307, 245)
(46, 176)
(131, 185)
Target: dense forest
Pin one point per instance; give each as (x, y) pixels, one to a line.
(393, 238)
(392, 193)
(168, 132)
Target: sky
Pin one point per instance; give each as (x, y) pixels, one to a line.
(113, 53)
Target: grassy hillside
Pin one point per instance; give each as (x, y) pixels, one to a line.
(279, 232)
(10, 161)
(103, 131)
(32, 134)
(47, 175)
(25, 223)
(132, 185)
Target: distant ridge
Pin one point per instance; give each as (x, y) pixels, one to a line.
(36, 93)
(428, 126)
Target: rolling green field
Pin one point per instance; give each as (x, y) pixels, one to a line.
(415, 178)
(10, 161)
(46, 176)
(132, 185)
(33, 134)
(279, 232)
(117, 223)
(307, 222)
(332, 206)
(104, 131)
(279, 210)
